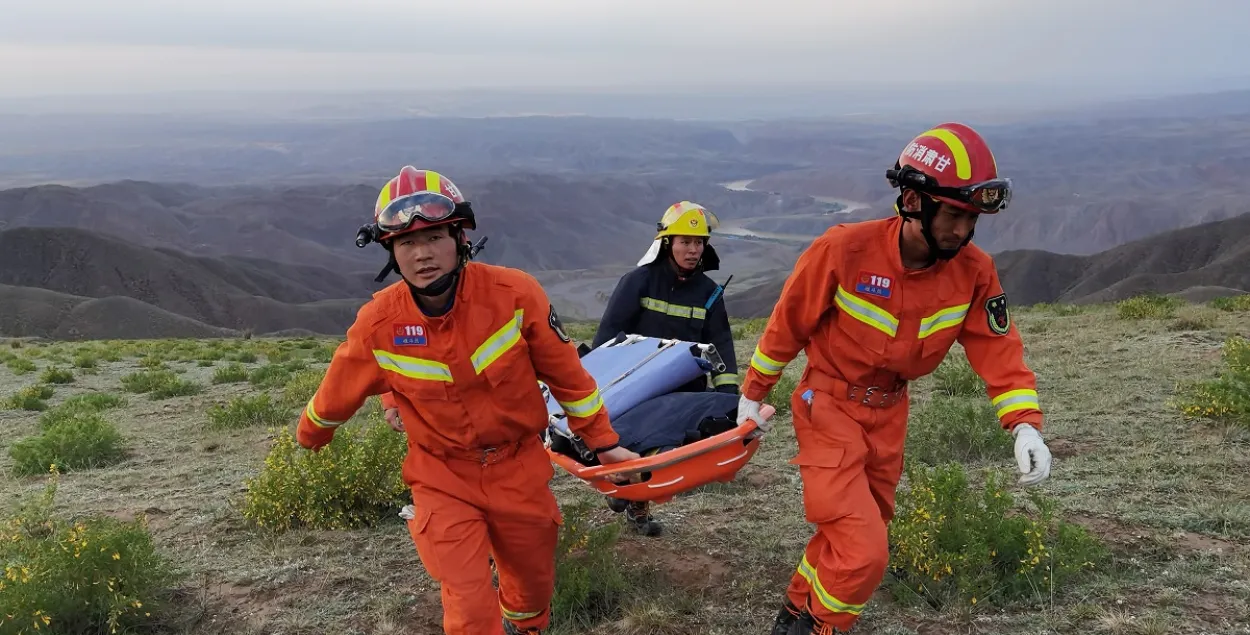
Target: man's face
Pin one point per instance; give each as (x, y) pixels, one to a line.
(425, 255)
(952, 225)
(687, 250)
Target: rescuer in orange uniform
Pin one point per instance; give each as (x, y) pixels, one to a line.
(461, 346)
(876, 304)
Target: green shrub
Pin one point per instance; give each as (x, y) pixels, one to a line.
(301, 387)
(780, 395)
(148, 380)
(72, 440)
(324, 354)
(957, 429)
(246, 357)
(56, 375)
(230, 374)
(21, 366)
(86, 361)
(958, 545)
(153, 362)
(1148, 306)
(1232, 303)
(15, 344)
(246, 412)
(270, 376)
(176, 388)
(84, 403)
(956, 378)
(589, 582)
(354, 481)
(30, 398)
(1225, 398)
(276, 355)
(748, 328)
(89, 575)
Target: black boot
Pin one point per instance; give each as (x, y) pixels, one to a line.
(511, 629)
(807, 624)
(786, 617)
(617, 505)
(639, 518)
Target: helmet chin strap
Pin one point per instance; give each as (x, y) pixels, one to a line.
(928, 210)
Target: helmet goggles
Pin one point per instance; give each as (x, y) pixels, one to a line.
(431, 207)
(988, 197)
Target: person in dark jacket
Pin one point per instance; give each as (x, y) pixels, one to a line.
(671, 296)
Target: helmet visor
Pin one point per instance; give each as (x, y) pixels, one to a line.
(430, 207)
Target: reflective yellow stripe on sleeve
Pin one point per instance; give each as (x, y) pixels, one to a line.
(866, 312)
(825, 598)
(317, 420)
(413, 367)
(1014, 400)
(725, 379)
(765, 364)
(944, 319)
(498, 343)
(583, 408)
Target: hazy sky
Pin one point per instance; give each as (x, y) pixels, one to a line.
(90, 46)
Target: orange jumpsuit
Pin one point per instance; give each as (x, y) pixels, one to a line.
(868, 326)
(466, 385)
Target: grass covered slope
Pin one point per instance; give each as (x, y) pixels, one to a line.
(1150, 530)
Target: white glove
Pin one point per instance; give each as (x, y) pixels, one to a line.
(1032, 455)
(748, 409)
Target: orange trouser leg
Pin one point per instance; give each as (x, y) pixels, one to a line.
(468, 512)
(452, 540)
(524, 522)
(850, 461)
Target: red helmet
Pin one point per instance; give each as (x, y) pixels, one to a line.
(417, 199)
(953, 164)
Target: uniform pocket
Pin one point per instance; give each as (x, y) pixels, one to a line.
(821, 470)
(420, 530)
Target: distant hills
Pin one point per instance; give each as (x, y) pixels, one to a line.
(1202, 261)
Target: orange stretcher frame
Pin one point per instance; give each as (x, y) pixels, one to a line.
(660, 477)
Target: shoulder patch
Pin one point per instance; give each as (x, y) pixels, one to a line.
(553, 320)
(997, 314)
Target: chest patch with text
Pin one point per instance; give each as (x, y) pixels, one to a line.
(410, 335)
(873, 284)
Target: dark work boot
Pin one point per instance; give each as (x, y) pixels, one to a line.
(786, 617)
(617, 505)
(639, 518)
(512, 629)
(807, 624)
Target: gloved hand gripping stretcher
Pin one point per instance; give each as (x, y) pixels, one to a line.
(687, 439)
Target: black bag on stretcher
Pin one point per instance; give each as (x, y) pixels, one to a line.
(687, 439)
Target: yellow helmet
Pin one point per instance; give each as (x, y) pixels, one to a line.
(684, 219)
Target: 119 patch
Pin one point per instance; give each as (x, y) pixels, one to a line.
(410, 335)
(997, 314)
(873, 284)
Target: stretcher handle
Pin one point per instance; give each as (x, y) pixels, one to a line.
(664, 459)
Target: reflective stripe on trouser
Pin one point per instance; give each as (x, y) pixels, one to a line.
(850, 460)
(467, 513)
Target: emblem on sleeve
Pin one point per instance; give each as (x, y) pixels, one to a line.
(997, 315)
(554, 320)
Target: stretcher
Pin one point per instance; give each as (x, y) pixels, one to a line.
(631, 370)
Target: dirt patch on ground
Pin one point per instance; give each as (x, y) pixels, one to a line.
(690, 570)
(1136, 539)
(1063, 448)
